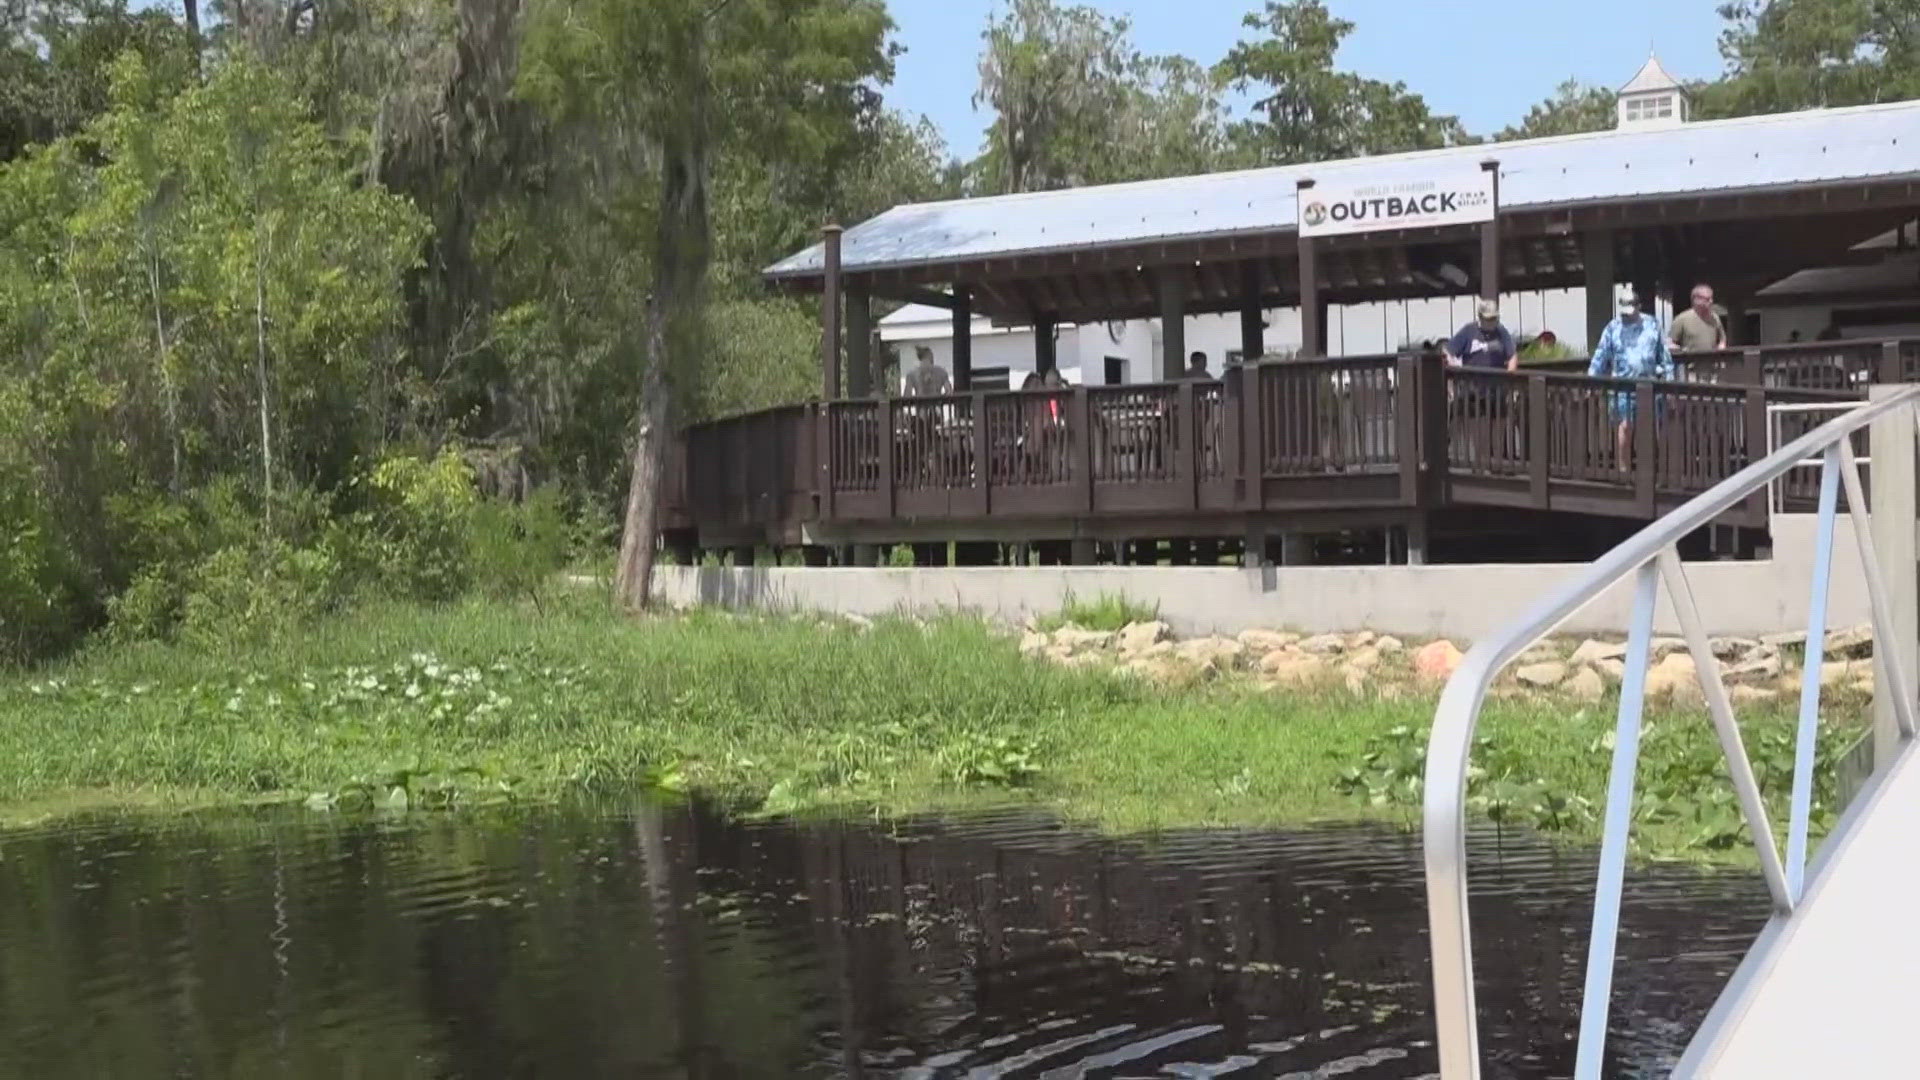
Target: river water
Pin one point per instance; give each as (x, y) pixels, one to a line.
(640, 940)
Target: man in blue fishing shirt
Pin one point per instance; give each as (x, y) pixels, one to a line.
(1631, 347)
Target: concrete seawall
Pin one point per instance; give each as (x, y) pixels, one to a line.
(1461, 602)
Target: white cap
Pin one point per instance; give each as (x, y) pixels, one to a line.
(1488, 309)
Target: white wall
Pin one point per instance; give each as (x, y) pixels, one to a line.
(1461, 602)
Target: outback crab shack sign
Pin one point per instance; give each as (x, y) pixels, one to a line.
(1458, 197)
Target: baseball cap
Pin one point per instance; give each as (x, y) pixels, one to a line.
(1488, 309)
(1629, 303)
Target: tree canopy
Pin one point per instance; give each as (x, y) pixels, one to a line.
(266, 266)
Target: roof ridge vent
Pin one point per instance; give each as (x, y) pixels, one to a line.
(1653, 98)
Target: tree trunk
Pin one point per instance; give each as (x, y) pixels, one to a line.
(260, 376)
(169, 395)
(682, 252)
(633, 578)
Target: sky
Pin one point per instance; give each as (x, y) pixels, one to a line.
(1485, 61)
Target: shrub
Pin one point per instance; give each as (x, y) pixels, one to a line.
(43, 608)
(422, 511)
(517, 549)
(258, 592)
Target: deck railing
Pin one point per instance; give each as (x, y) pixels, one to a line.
(1383, 430)
(1652, 559)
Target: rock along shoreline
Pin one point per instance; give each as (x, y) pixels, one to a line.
(1364, 663)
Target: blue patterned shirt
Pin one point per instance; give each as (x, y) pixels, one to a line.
(1632, 350)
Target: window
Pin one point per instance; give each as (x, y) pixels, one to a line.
(1665, 101)
(1635, 109)
(991, 378)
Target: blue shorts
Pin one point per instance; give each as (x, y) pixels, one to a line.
(1622, 406)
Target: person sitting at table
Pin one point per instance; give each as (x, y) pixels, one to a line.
(927, 379)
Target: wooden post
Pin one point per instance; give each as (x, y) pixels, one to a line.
(1892, 495)
(1312, 316)
(1233, 386)
(1753, 372)
(887, 487)
(1887, 368)
(1080, 431)
(1406, 425)
(1187, 430)
(982, 448)
(1645, 425)
(823, 454)
(1434, 435)
(830, 317)
(1596, 251)
(962, 339)
(1537, 441)
(860, 381)
(1173, 322)
(1253, 446)
(1252, 320)
(1755, 423)
(1490, 240)
(1046, 349)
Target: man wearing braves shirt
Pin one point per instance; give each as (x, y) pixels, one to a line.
(1484, 343)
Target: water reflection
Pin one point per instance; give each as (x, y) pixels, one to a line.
(669, 942)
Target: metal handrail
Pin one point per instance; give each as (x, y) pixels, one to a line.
(1652, 556)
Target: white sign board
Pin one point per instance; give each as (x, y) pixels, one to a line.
(1455, 197)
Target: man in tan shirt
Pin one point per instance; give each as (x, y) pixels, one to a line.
(1698, 329)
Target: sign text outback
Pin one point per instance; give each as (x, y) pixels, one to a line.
(1334, 209)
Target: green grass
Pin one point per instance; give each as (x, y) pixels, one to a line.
(487, 701)
(1106, 613)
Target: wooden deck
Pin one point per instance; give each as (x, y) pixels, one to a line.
(1376, 439)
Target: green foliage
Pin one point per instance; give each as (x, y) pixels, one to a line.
(421, 510)
(55, 56)
(1784, 55)
(1075, 103)
(519, 548)
(1683, 790)
(485, 700)
(763, 353)
(1539, 351)
(1574, 107)
(259, 592)
(1309, 111)
(992, 760)
(1107, 612)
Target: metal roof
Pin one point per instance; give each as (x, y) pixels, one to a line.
(1896, 273)
(1749, 153)
(1651, 78)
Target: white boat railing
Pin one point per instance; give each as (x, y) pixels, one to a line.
(1652, 558)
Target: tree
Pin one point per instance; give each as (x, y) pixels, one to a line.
(1784, 55)
(1076, 103)
(56, 57)
(662, 85)
(1575, 107)
(1308, 110)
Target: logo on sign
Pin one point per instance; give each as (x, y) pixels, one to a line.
(1465, 197)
